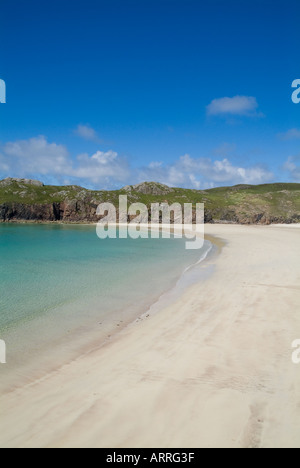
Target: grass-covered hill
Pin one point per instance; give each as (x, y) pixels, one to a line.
(27, 200)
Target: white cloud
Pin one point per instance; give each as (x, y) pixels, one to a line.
(34, 156)
(51, 162)
(87, 133)
(292, 166)
(156, 164)
(106, 168)
(292, 134)
(205, 172)
(104, 158)
(194, 182)
(237, 105)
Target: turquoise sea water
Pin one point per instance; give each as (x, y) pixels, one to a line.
(59, 282)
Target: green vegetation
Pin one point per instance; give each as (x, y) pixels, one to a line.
(242, 203)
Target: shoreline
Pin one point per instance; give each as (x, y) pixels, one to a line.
(82, 343)
(93, 223)
(183, 283)
(212, 370)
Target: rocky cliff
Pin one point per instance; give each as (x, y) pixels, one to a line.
(28, 200)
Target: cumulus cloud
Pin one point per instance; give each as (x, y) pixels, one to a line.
(34, 156)
(87, 133)
(52, 163)
(292, 134)
(102, 167)
(237, 105)
(292, 166)
(37, 157)
(200, 173)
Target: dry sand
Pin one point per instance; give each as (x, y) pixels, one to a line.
(212, 370)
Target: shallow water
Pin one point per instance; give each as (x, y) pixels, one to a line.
(60, 284)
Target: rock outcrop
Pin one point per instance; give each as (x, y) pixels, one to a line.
(72, 211)
(149, 188)
(9, 180)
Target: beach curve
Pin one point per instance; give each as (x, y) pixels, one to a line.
(212, 370)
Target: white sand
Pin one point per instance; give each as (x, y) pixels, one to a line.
(212, 370)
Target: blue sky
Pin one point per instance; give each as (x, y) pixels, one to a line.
(189, 93)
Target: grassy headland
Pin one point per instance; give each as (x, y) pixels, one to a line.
(26, 200)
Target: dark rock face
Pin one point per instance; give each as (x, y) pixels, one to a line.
(19, 212)
(68, 211)
(80, 211)
(232, 217)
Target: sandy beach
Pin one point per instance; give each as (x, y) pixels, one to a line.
(212, 370)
